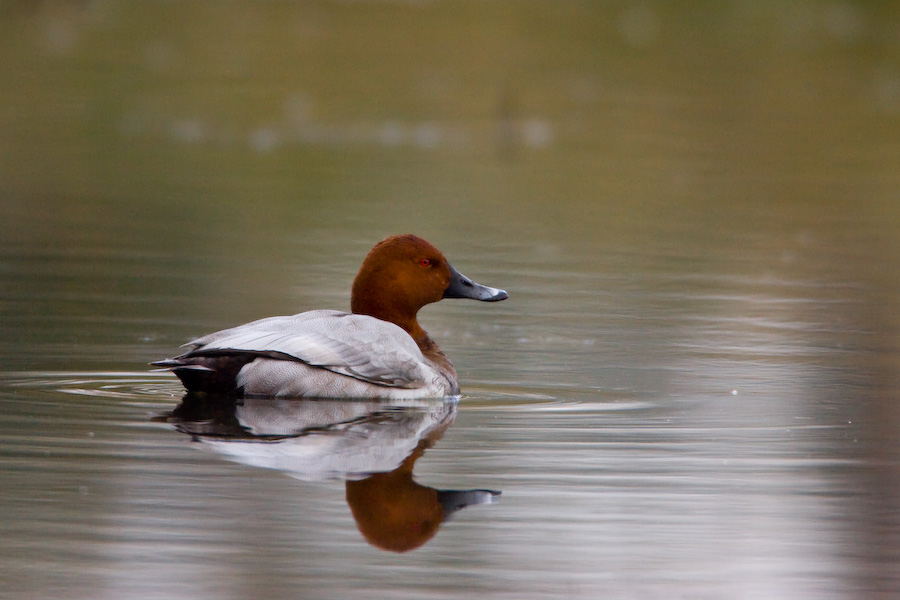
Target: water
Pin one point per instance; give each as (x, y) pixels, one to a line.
(691, 392)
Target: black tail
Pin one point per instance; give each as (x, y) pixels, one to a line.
(209, 374)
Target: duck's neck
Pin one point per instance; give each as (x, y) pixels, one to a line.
(434, 353)
(409, 324)
(403, 317)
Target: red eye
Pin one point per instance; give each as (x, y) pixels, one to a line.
(425, 262)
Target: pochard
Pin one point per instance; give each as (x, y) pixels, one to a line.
(379, 350)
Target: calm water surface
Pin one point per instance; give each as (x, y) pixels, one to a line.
(691, 392)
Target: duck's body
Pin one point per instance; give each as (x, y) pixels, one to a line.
(378, 351)
(320, 353)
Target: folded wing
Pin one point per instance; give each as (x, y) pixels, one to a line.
(357, 346)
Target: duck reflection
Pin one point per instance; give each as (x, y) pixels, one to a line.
(371, 445)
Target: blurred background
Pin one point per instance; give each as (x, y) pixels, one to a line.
(695, 207)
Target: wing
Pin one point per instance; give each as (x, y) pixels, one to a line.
(357, 346)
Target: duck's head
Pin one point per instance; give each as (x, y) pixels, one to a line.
(402, 274)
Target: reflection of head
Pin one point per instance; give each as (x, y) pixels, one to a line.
(395, 513)
(392, 511)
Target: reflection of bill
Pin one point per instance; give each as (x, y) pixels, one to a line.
(394, 512)
(371, 445)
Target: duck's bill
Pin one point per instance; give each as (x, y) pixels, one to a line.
(455, 500)
(463, 287)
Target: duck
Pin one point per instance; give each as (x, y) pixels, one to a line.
(376, 351)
